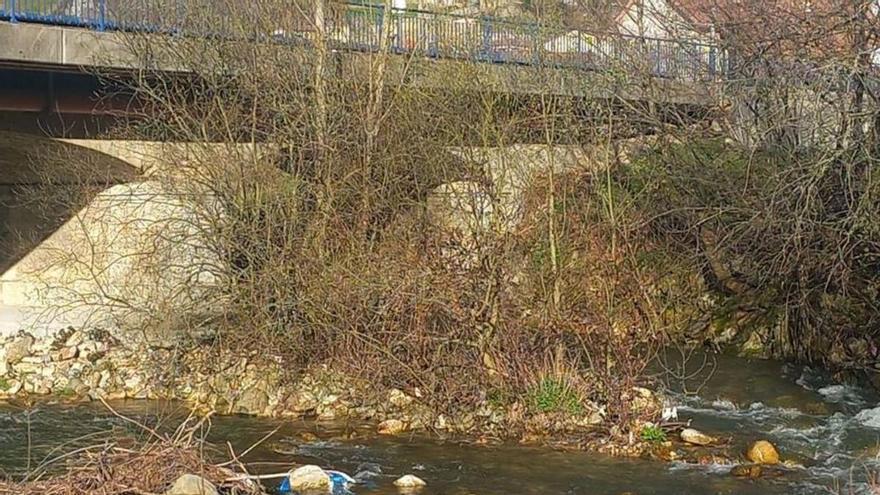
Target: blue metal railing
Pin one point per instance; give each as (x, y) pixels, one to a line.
(360, 27)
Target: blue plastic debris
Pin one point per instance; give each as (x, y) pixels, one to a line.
(340, 478)
(339, 483)
(284, 487)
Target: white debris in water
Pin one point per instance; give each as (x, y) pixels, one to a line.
(841, 393)
(711, 468)
(869, 417)
(724, 404)
(669, 414)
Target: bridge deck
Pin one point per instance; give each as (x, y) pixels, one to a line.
(359, 29)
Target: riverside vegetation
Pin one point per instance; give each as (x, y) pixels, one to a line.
(363, 246)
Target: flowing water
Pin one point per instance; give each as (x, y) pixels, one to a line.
(833, 430)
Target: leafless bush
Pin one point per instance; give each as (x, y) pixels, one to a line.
(313, 181)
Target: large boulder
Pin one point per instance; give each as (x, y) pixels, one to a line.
(763, 452)
(310, 479)
(190, 484)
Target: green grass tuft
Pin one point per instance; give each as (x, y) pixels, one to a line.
(553, 395)
(653, 434)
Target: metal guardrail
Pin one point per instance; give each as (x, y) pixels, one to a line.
(428, 34)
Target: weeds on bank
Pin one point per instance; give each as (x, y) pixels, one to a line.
(652, 434)
(554, 395)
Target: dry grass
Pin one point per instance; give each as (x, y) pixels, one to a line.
(122, 466)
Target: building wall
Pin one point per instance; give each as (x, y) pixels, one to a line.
(654, 19)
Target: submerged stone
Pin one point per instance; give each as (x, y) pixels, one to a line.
(391, 427)
(746, 471)
(409, 481)
(763, 452)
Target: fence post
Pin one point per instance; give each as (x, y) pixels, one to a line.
(659, 68)
(712, 58)
(102, 13)
(398, 38)
(12, 12)
(487, 36)
(536, 45)
(381, 19)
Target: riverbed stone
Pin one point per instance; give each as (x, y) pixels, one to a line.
(391, 427)
(763, 452)
(309, 479)
(399, 399)
(19, 348)
(14, 387)
(74, 339)
(42, 359)
(303, 402)
(409, 482)
(746, 471)
(67, 353)
(190, 484)
(696, 437)
(646, 401)
(252, 401)
(23, 368)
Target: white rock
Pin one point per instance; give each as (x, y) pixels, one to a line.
(14, 387)
(696, 437)
(104, 379)
(310, 478)
(190, 484)
(409, 481)
(133, 382)
(35, 359)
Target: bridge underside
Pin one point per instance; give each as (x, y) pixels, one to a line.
(72, 49)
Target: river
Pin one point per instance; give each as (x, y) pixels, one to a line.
(831, 429)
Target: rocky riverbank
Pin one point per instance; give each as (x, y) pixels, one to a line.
(732, 424)
(94, 365)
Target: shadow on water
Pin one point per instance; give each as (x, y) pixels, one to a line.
(831, 429)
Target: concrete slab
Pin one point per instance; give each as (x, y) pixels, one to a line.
(31, 43)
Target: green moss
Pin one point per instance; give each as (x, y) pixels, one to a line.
(4, 383)
(66, 392)
(554, 395)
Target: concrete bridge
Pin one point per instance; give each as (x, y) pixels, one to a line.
(519, 58)
(51, 102)
(360, 28)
